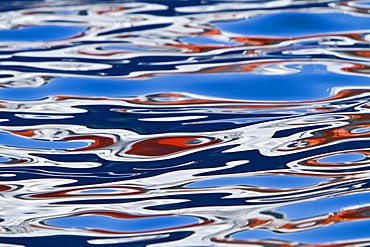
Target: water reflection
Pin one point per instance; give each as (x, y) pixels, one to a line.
(180, 123)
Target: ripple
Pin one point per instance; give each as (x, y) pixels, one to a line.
(95, 222)
(179, 123)
(272, 181)
(296, 24)
(44, 33)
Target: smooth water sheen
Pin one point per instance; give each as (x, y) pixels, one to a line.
(184, 123)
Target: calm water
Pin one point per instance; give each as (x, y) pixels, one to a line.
(185, 123)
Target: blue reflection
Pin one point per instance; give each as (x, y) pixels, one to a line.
(122, 225)
(97, 191)
(336, 232)
(342, 158)
(362, 3)
(207, 41)
(292, 24)
(125, 48)
(313, 82)
(39, 33)
(2, 159)
(273, 181)
(16, 141)
(360, 130)
(324, 205)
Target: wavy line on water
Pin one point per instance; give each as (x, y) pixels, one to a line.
(212, 171)
(236, 201)
(123, 144)
(131, 40)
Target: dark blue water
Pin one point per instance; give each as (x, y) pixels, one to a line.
(184, 123)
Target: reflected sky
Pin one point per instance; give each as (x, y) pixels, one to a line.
(292, 24)
(312, 82)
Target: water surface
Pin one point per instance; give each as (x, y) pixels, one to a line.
(184, 123)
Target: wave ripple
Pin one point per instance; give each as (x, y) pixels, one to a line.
(133, 123)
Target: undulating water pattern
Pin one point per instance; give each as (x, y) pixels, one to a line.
(185, 123)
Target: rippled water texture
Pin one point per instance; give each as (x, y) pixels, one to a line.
(184, 123)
